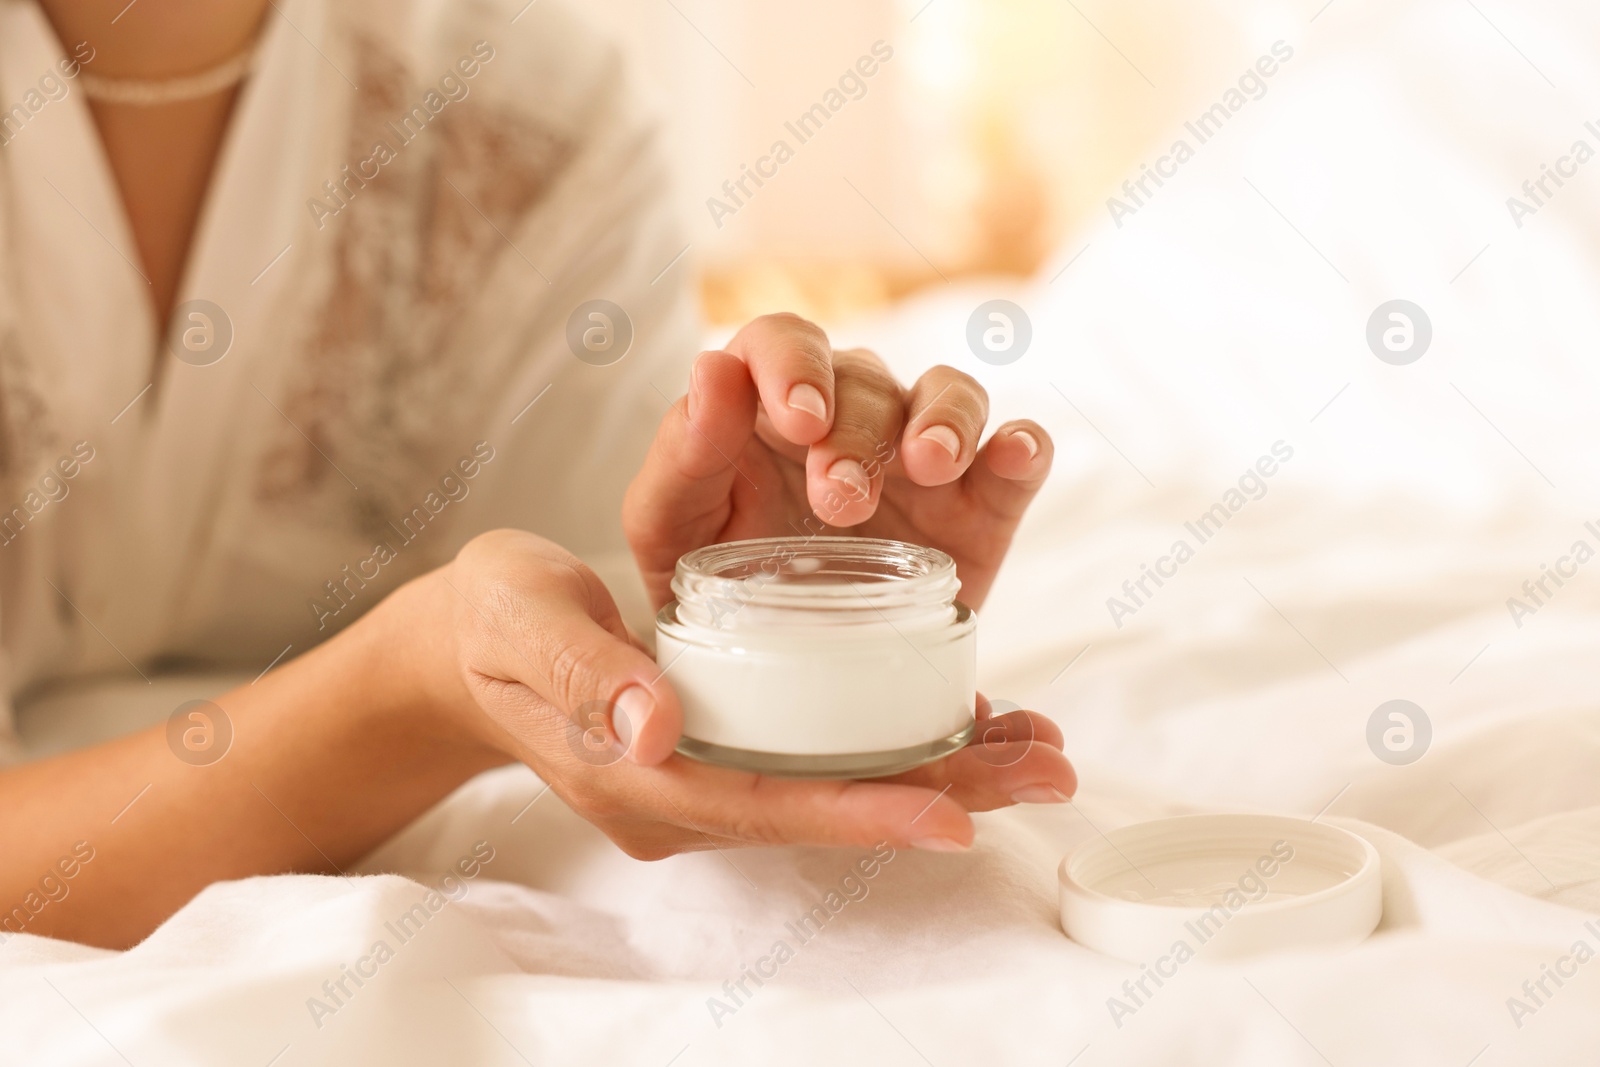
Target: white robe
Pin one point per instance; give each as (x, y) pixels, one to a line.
(388, 340)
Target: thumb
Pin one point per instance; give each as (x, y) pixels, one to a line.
(681, 496)
(613, 695)
(551, 626)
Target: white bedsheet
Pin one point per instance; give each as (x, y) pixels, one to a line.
(1167, 358)
(564, 951)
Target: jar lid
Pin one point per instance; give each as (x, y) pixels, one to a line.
(1220, 887)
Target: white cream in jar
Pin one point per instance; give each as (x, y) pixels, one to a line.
(836, 657)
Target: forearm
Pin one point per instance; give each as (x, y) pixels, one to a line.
(331, 754)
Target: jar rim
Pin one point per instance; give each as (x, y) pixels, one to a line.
(848, 578)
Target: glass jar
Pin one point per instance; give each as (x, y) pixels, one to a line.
(820, 657)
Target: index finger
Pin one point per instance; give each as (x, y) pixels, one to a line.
(792, 364)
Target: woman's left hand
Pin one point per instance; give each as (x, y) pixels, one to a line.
(780, 435)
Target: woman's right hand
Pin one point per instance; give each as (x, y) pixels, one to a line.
(537, 662)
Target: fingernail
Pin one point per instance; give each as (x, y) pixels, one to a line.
(694, 386)
(808, 398)
(1030, 442)
(945, 438)
(629, 712)
(1040, 794)
(852, 474)
(938, 844)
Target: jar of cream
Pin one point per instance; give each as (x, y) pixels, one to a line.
(820, 657)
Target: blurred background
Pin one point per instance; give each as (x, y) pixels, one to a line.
(996, 131)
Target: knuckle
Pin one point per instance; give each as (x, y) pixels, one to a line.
(789, 322)
(861, 426)
(972, 387)
(954, 389)
(497, 554)
(755, 828)
(567, 668)
(799, 336)
(574, 576)
(585, 587)
(868, 390)
(504, 599)
(484, 548)
(863, 365)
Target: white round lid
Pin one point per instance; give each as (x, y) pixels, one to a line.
(1220, 887)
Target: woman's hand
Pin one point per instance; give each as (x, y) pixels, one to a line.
(512, 651)
(551, 676)
(781, 436)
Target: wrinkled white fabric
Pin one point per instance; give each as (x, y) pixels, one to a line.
(367, 362)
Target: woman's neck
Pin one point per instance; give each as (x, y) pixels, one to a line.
(161, 156)
(156, 38)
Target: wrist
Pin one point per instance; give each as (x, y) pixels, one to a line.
(406, 658)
